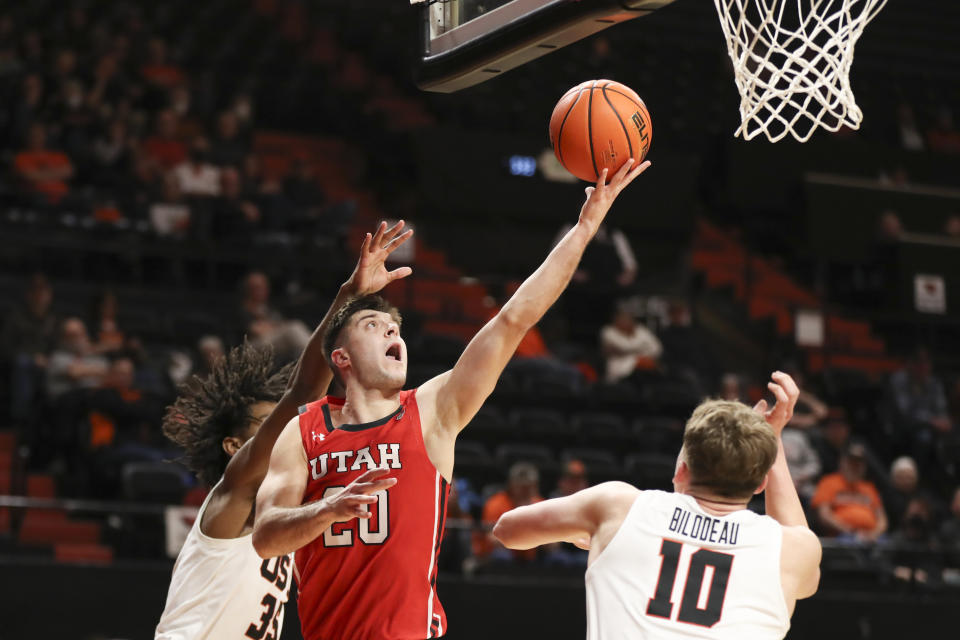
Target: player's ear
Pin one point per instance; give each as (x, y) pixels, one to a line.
(681, 475)
(763, 485)
(232, 444)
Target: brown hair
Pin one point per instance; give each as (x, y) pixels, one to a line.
(728, 447)
(331, 340)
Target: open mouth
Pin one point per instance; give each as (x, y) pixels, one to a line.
(394, 352)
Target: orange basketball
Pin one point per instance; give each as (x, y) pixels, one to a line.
(599, 125)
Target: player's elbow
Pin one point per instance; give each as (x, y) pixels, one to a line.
(513, 319)
(505, 531)
(262, 543)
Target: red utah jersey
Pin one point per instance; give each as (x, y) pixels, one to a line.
(372, 579)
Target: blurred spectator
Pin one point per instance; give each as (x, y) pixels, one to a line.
(685, 352)
(731, 387)
(164, 149)
(848, 505)
(170, 216)
(917, 539)
(228, 149)
(29, 334)
(950, 528)
(920, 408)
(303, 190)
(943, 136)
(523, 488)
(195, 175)
(181, 103)
(74, 365)
(904, 487)
(110, 159)
(908, 133)
(605, 274)
(835, 438)
(951, 226)
(802, 460)
(29, 110)
(157, 69)
(628, 345)
(44, 171)
(889, 227)
(456, 547)
(75, 119)
(108, 337)
(234, 215)
(573, 479)
(265, 325)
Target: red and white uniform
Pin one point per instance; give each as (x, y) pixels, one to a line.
(372, 579)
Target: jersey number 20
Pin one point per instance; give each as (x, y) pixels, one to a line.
(660, 604)
(345, 537)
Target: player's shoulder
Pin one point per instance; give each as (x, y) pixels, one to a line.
(802, 539)
(613, 496)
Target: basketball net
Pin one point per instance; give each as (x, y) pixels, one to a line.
(792, 68)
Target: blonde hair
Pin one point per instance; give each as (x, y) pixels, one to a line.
(728, 447)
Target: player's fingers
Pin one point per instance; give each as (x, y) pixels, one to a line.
(373, 487)
(640, 168)
(589, 191)
(401, 272)
(359, 498)
(787, 382)
(622, 171)
(365, 245)
(393, 231)
(399, 240)
(373, 474)
(602, 179)
(378, 236)
(778, 391)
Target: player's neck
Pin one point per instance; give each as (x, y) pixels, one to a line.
(713, 504)
(363, 405)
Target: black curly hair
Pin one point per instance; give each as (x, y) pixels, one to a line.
(218, 406)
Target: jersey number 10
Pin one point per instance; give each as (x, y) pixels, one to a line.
(660, 604)
(345, 536)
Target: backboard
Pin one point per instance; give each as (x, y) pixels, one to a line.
(466, 42)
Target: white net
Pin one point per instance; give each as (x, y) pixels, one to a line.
(791, 62)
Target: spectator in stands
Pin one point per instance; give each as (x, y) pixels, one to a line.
(916, 534)
(181, 103)
(904, 486)
(158, 70)
(572, 479)
(889, 227)
(75, 119)
(802, 460)
(233, 214)
(951, 227)
(908, 134)
(111, 157)
(265, 325)
(229, 149)
(74, 365)
(605, 274)
(164, 149)
(921, 415)
(195, 175)
(627, 346)
(107, 336)
(835, 438)
(685, 352)
(456, 547)
(943, 137)
(29, 109)
(523, 488)
(170, 215)
(731, 387)
(44, 171)
(29, 334)
(848, 505)
(810, 410)
(950, 528)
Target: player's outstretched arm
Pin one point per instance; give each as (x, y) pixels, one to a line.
(282, 523)
(782, 502)
(312, 374)
(575, 518)
(457, 394)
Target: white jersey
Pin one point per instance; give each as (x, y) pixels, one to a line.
(674, 571)
(221, 588)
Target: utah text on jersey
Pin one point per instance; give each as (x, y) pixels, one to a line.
(384, 455)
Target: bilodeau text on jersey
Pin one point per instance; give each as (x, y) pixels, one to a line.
(703, 528)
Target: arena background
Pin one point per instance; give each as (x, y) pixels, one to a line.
(838, 260)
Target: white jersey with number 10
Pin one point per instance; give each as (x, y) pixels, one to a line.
(674, 571)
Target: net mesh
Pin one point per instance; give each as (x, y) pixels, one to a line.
(791, 62)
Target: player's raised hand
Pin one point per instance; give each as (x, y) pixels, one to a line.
(370, 274)
(786, 392)
(351, 501)
(601, 196)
